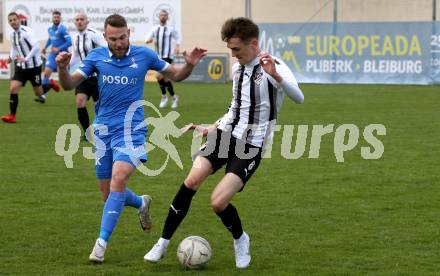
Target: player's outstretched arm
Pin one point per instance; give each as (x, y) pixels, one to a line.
(201, 130)
(67, 80)
(181, 72)
(285, 77)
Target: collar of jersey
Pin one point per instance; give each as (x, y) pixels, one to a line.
(254, 62)
(19, 29)
(110, 54)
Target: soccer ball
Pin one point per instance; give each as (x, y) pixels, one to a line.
(194, 252)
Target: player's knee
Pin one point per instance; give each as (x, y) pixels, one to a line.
(118, 180)
(14, 89)
(80, 102)
(218, 204)
(192, 182)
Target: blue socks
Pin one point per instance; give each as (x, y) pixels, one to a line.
(113, 208)
(131, 199)
(45, 84)
(112, 211)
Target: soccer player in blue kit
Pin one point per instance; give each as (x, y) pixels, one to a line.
(121, 70)
(59, 40)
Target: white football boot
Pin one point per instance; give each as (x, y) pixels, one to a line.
(163, 101)
(158, 251)
(242, 255)
(175, 101)
(98, 251)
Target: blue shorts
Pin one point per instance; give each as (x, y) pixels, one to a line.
(50, 62)
(116, 147)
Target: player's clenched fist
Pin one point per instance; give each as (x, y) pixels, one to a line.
(63, 59)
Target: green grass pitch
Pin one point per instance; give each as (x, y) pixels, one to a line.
(304, 216)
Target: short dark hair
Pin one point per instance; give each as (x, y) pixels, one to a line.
(13, 14)
(56, 12)
(115, 20)
(241, 27)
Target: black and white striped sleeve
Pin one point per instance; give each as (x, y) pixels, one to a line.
(13, 53)
(32, 40)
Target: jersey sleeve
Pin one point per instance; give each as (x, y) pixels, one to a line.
(68, 39)
(75, 58)
(150, 35)
(176, 35)
(13, 51)
(48, 43)
(99, 39)
(87, 67)
(284, 72)
(289, 84)
(30, 36)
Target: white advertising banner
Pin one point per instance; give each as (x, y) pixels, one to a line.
(141, 15)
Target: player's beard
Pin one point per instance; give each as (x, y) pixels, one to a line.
(119, 52)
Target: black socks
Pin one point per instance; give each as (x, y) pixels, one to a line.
(13, 103)
(83, 117)
(163, 86)
(169, 85)
(231, 220)
(178, 209)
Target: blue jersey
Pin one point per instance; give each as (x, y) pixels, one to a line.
(120, 82)
(59, 37)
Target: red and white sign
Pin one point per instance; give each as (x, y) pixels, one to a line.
(5, 68)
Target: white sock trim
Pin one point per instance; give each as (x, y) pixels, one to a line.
(242, 237)
(143, 203)
(102, 242)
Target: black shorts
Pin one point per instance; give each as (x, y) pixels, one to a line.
(169, 60)
(89, 87)
(241, 158)
(32, 74)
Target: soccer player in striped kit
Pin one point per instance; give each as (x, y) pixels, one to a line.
(26, 54)
(260, 83)
(85, 41)
(162, 35)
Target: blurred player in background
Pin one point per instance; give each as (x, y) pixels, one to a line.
(85, 41)
(163, 35)
(260, 83)
(121, 70)
(26, 54)
(59, 40)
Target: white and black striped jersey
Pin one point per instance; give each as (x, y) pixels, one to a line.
(257, 99)
(163, 37)
(84, 42)
(25, 44)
